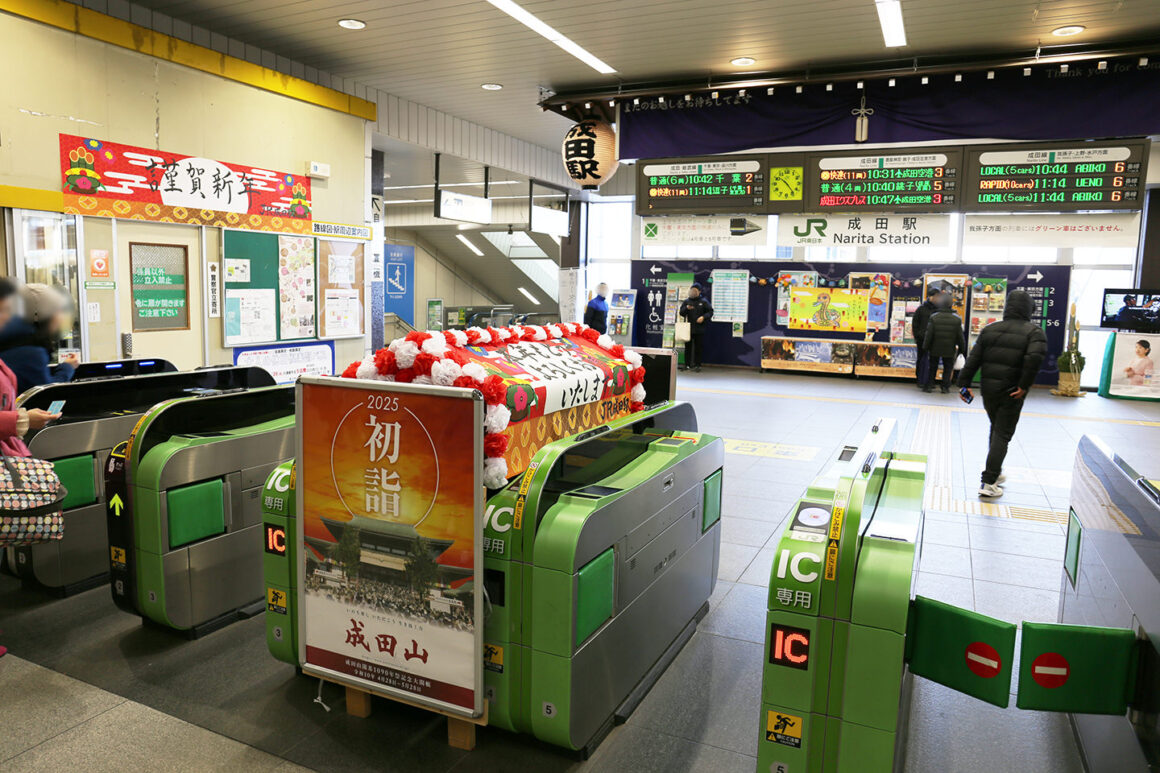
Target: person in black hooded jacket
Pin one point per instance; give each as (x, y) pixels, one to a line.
(1009, 354)
(943, 341)
(918, 325)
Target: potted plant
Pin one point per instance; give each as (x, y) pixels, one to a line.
(1070, 362)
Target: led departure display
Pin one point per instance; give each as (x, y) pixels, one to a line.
(710, 185)
(1057, 177)
(922, 180)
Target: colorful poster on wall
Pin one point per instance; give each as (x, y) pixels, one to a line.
(107, 179)
(729, 295)
(955, 284)
(891, 360)
(807, 354)
(786, 281)
(828, 308)
(251, 316)
(390, 487)
(296, 286)
(434, 313)
(1130, 370)
(877, 287)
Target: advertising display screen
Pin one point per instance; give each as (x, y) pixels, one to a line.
(1135, 310)
(709, 185)
(1056, 177)
(919, 180)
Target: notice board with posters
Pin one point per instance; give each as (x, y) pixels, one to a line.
(160, 286)
(270, 288)
(390, 485)
(341, 267)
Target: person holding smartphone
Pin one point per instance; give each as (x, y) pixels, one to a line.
(14, 422)
(28, 343)
(1009, 354)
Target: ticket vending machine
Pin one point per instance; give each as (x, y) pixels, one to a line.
(97, 415)
(844, 633)
(184, 509)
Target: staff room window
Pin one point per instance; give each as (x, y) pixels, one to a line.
(160, 286)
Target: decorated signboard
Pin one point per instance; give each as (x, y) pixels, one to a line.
(391, 501)
(540, 383)
(828, 308)
(107, 179)
(892, 360)
(877, 288)
(807, 354)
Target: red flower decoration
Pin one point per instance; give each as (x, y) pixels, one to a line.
(494, 445)
(385, 362)
(458, 356)
(467, 382)
(529, 334)
(449, 337)
(636, 407)
(423, 363)
(417, 337)
(617, 351)
(351, 370)
(591, 335)
(637, 375)
(494, 390)
(472, 337)
(405, 376)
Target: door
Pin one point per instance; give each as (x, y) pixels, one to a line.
(43, 249)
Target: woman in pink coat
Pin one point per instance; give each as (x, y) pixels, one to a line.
(14, 423)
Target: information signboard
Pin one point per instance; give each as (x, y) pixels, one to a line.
(1056, 177)
(709, 185)
(916, 179)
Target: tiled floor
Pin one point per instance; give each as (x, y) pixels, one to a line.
(110, 694)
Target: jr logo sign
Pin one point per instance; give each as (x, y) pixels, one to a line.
(813, 224)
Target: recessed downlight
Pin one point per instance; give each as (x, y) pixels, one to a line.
(352, 24)
(491, 86)
(1068, 30)
(743, 61)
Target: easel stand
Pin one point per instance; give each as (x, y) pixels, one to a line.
(460, 729)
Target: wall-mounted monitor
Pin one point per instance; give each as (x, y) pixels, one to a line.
(1135, 310)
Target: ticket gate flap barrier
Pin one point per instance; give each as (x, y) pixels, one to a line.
(837, 671)
(185, 541)
(98, 415)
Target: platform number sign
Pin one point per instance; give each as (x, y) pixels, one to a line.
(789, 646)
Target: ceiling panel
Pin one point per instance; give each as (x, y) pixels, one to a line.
(438, 52)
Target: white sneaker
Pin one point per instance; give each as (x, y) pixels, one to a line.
(990, 490)
(1002, 479)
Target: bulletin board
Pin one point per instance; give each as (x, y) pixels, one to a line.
(269, 286)
(341, 264)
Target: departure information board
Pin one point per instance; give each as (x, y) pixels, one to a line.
(1056, 177)
(702, 186)
(922, 179)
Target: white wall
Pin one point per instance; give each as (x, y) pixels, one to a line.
(436, 277)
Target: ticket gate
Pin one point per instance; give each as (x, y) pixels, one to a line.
(844, 634)
(98, 415)
(184, 514)
(118, 368)
(596, 588)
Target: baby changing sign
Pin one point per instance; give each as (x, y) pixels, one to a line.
(389, 486)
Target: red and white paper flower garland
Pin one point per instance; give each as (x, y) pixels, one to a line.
(437, 357)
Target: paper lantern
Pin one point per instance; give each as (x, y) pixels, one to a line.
(589, 152)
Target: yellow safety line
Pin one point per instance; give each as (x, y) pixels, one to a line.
(916, 406)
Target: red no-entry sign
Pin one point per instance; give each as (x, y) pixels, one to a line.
(1050, 670)
(983, 659)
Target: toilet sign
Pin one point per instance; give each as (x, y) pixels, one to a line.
(983, 659)
(1050, 670)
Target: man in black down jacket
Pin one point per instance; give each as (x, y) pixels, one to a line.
(943, 341)
(697, 311)
(918, 325)
(1009, 353)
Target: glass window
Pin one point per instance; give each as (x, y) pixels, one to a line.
(837, 254)
(988, 255)
(1087, 290)
(617, 273)
(46, 248)
(1091, 345)
(1104, 256)
(610, 227)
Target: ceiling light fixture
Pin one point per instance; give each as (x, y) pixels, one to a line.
(925, 80)
(352, 24)
(890, 83)
(890, 19)
(612, 103)
(861, 85)
(958, 77)
(467, 243)
(798, 89)
(1068, 30)
(528, 295)
(743, 61)
(990, 75)
(1026, 72)
(829, 87)
(535, 25)
(587, 105)
(491, 86)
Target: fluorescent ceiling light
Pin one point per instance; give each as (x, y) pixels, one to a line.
(1068, 30)
(531, 22)
(890, 17)
(528, 295)
(491, 86)
(469, 245)
(352, 24)
(743, 61)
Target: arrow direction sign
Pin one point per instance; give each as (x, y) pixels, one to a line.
(654, 269)
(115, 504)
(1037, 276)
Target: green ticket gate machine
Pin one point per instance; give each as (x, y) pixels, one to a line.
(184, 508)
(598, 562)
(844, 635)
(120, 368)
(97, 415)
